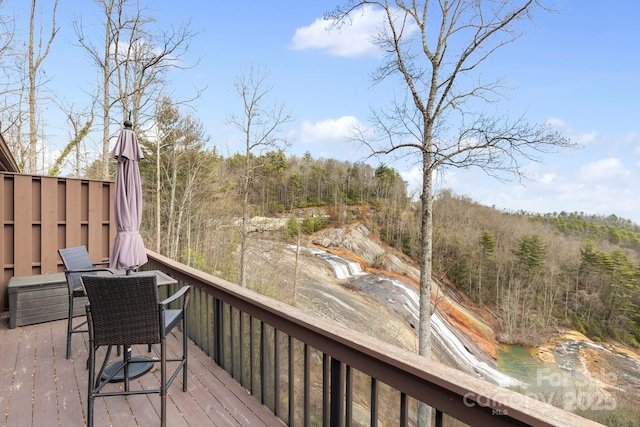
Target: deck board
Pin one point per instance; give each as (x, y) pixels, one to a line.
(39, 386)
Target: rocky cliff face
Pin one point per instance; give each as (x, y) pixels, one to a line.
(460, 338)
(335, 280)
(379, 302)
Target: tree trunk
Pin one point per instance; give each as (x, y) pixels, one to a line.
(426, 308)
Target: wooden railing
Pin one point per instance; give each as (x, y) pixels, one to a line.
(311, 371)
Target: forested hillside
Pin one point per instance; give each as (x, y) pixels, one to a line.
(533, 272)
(541, 271)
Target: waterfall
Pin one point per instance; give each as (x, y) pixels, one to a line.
(342, 268)
(404, 299)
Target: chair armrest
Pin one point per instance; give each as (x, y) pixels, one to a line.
(185, 290)
(92, 270)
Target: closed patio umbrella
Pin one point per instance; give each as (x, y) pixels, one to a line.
(128, 251)
(128, 248)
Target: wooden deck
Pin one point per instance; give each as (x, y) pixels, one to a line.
(39, 387)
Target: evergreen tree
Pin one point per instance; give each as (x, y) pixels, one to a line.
(487, 247)
(531, 252)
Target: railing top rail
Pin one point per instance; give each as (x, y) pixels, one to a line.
(469, 399)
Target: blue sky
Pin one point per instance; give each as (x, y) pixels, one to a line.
(577, 69)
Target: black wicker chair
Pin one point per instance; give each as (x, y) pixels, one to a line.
(76, 263)
(122, 311)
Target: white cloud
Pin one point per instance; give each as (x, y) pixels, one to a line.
(601, 179)
(329, 131)
(584, 138)
(606, 171)
(349, 41)
(559, 124)
(547, 178)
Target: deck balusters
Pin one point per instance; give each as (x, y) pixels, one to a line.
(349, 397)
(276, 373)
(404, 410)
(307, 386)
(251, 356)
(374, 402)
(337, 393)
(226, 339)
(292, 390)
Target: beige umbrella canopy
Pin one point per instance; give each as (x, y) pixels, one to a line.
(128, 251)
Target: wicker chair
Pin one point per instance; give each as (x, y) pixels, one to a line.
(76, 263)
(122, 311)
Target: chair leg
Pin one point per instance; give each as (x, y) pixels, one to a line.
(90, 395)
(69, 326)
(184, 353)
(163, 382)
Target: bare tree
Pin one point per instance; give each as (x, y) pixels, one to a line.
(5, 37)
(80, 131)
(133, 63)
(7, 55)
(260, 125)
(184, 172)
(20, 82)
(436, 48)
(80, 125)
(104, 62)
(15, 117)
(144, 58)
(35, 61)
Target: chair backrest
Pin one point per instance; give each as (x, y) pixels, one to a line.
(123, 310)
(76, 258)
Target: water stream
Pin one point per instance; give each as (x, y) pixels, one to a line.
(449, 345)
(561, 382)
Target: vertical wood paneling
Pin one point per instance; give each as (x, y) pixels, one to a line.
(73, 214)
(108, 232)
(41, 214)
(22, 226)
(36, 225)
(49, 226)
(94, 219)
(3, 236)
(113, 230)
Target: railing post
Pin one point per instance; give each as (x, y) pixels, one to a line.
(251, 355)
(307, 385)
(263, 363)
(374, 402)
(242, 339)
(231, 351)
(276, 373)
(326, 389)
(348, 397)
(404, 410)
(337, 393)
(292, 389)
(219, 335)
